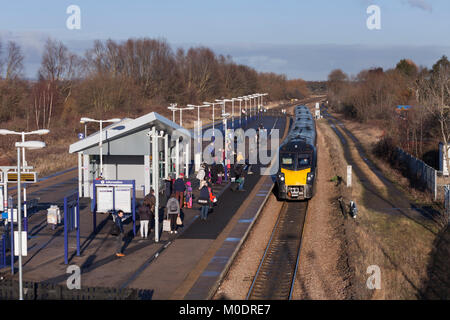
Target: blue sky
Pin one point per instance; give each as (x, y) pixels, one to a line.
(299, 38)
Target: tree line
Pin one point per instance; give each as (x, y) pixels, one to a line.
(374, 94)
(124, 78)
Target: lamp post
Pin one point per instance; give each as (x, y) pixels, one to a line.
(172, 107)
(240, 110)
(213, 118)
(85, 120)
(24, 163)
(199, 136)
(181, 113)
(85, 129)
(262, 97)
(246, 113)
(223, 101)
(22, 145)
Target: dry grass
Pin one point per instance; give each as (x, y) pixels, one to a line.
(400, 246)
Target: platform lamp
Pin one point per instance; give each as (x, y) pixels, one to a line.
(213, 117)
(32, 145)
(240, 109)
(115, 120)
(172, 107)
(181, 112)
(24, 163)
(199, 135)
(246, 112)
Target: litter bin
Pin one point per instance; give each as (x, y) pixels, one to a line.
(53, 216)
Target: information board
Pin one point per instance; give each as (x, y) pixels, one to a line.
(105, 199)
(123, 199)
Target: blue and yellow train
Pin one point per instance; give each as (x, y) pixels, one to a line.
(298, 158)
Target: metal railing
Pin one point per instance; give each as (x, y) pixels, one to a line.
(419, 172)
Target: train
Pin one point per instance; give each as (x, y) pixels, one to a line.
(298, 158)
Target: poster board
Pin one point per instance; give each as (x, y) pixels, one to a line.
(24, 243)
(105, 199)
(14, 215)
(122, 199)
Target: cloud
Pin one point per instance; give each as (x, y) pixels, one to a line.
(421, 4)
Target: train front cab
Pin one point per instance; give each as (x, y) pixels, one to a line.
(295, 180)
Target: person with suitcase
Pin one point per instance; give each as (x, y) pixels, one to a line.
(173, 212)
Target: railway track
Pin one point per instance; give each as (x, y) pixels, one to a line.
(275, 277)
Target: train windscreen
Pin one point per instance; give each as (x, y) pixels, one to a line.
(304, 160)
(288, 161)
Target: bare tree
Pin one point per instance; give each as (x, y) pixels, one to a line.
(434, 93)
(14, 61)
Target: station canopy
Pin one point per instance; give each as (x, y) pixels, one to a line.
(129, 136)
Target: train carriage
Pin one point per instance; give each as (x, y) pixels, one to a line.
(298, 159)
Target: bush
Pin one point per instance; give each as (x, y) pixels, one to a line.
(385, 149)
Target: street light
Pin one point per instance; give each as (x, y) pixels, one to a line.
(240, 109)
(85, 120)
(32, 145)
(213, 118)
(246, 114)
(181, 113)
(262, 96)
(24, 162)
(172, 107)
(199, 135)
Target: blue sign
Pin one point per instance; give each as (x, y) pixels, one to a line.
(81, 136)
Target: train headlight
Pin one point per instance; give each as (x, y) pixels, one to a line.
(281, 177)
(310, 177)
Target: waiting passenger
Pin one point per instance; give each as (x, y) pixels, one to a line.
(146, 212)
(188, 196)
(201, 174)
(203, 200)
(179, 188)
(240, 176)
(121, 235)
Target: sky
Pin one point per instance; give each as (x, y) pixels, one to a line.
(299, 38)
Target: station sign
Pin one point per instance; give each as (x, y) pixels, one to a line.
(24, 177)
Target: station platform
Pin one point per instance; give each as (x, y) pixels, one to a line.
(187, 265)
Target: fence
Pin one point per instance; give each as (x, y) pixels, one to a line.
(46, 291)
(419, 172)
